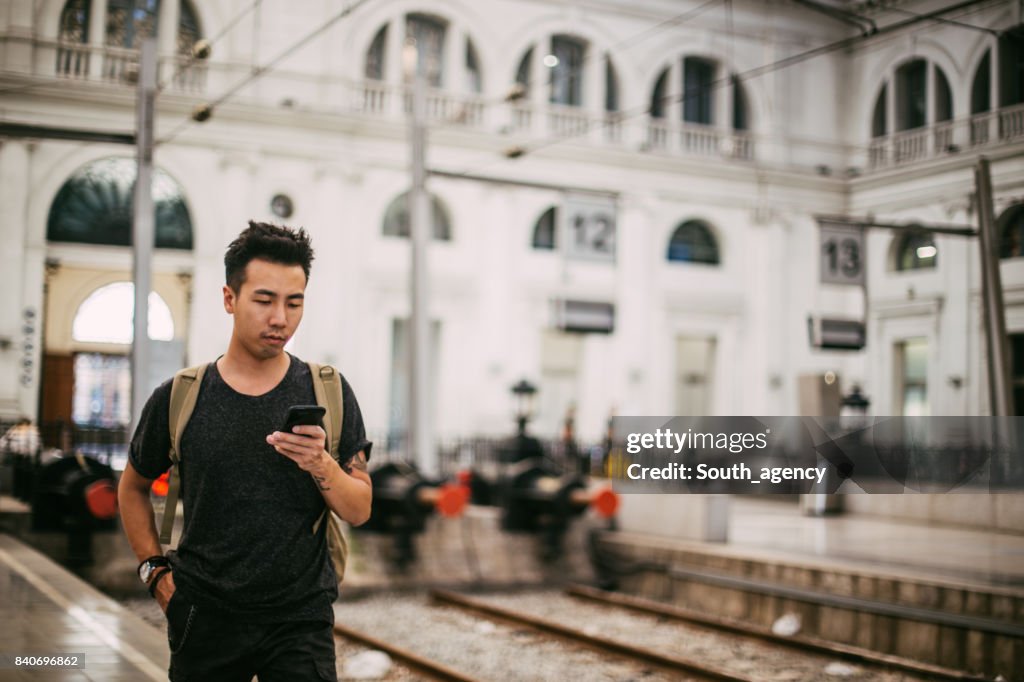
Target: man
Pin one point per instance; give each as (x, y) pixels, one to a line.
(249, 589)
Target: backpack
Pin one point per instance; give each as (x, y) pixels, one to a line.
(185, 392)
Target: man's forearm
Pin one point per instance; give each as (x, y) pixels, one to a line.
(349, 495)
(139, 522)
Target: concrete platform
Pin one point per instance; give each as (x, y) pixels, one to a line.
(944, 595)
(47, 611)
(973, 556)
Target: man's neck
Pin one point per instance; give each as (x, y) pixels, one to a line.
(248, 373)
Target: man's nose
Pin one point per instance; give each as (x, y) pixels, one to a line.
(278, 317)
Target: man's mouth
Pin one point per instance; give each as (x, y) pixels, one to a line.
(273, 338)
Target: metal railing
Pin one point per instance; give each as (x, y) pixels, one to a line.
(947, 137)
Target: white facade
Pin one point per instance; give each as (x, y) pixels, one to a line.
(314, 128)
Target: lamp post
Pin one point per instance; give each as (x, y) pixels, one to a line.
(524, 392)
(421, 440)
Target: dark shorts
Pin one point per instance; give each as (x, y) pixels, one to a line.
(211, 646)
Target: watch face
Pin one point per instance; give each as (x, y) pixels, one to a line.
(145, 571)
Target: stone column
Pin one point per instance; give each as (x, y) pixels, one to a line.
(97, 37)
(721, 109)
(393, 69)
(540, 87)
(674, 104)
(890, 119)
(453, 76)
(21, 277)
(593, 92)
(929, 110)
(167, 30)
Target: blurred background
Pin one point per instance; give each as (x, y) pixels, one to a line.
(637, 208)
(652, 207)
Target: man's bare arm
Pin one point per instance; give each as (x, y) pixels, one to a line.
(349, 495)
(140, 524)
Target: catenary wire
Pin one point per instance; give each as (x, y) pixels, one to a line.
(212, 41)
(259, 71)
(785, 62)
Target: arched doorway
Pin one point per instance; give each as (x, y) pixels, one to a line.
(85, 397)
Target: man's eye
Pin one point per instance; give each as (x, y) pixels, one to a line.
(294, 305)
(263, 302)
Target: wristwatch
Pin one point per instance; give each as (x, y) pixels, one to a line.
(147, 567)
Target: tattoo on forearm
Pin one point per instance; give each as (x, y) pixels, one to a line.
(358, 461)
(321, 482)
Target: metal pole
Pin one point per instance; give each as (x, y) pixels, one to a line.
(421, 438)
(992, 295)
(143, 228)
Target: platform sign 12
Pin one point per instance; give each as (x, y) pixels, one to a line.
(842, 253)
(589, 228)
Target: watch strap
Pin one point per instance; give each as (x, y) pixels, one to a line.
(156, 580)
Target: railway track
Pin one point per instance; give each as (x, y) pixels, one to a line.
(553, 635)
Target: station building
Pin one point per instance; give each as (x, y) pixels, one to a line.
(626, 198)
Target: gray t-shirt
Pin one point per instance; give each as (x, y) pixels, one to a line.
(248, 548)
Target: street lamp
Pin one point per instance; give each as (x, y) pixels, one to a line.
(524, 392)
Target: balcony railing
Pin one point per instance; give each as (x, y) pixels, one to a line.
(946, 138)
(693, 139)
(116, 65)
(520, 118)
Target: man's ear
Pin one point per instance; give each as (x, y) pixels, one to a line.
(229, 300)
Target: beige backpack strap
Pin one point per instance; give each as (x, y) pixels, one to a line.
(327, 388)
(184, 393)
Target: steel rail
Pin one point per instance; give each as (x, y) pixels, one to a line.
(603, 645)
(819, 598)
(425, 666)
(802, 642)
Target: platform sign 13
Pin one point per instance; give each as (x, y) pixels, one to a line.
(842, 253)
(589, 227)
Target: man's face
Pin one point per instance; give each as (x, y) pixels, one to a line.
(267, 307)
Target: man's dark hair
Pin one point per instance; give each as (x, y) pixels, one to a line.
(267, 242)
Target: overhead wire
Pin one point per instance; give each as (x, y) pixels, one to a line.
(259, 71)
(726, 81)
(624, 44)
(210, 41)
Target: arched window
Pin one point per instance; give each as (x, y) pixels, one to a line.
(915, 251)
(740, 119)
(74, 22)
(981, 87)
(545, 230)
(474, 80)
(375, 55)
(566, 64)
(611, 86)
(94, 206)
(396, 218)
(188, 29)
(106, 316)
(523, 71)
(1011, 67)
(1011, 231)
(130, 21)
(658, 95)
(698, 92)
(429, 34)
(943, 97)
(693, 242)
(912, 95)
(879, 118)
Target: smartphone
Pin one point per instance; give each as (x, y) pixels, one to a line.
(309, 415)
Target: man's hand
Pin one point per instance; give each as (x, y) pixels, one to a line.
(305, 447)
(164, 590)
